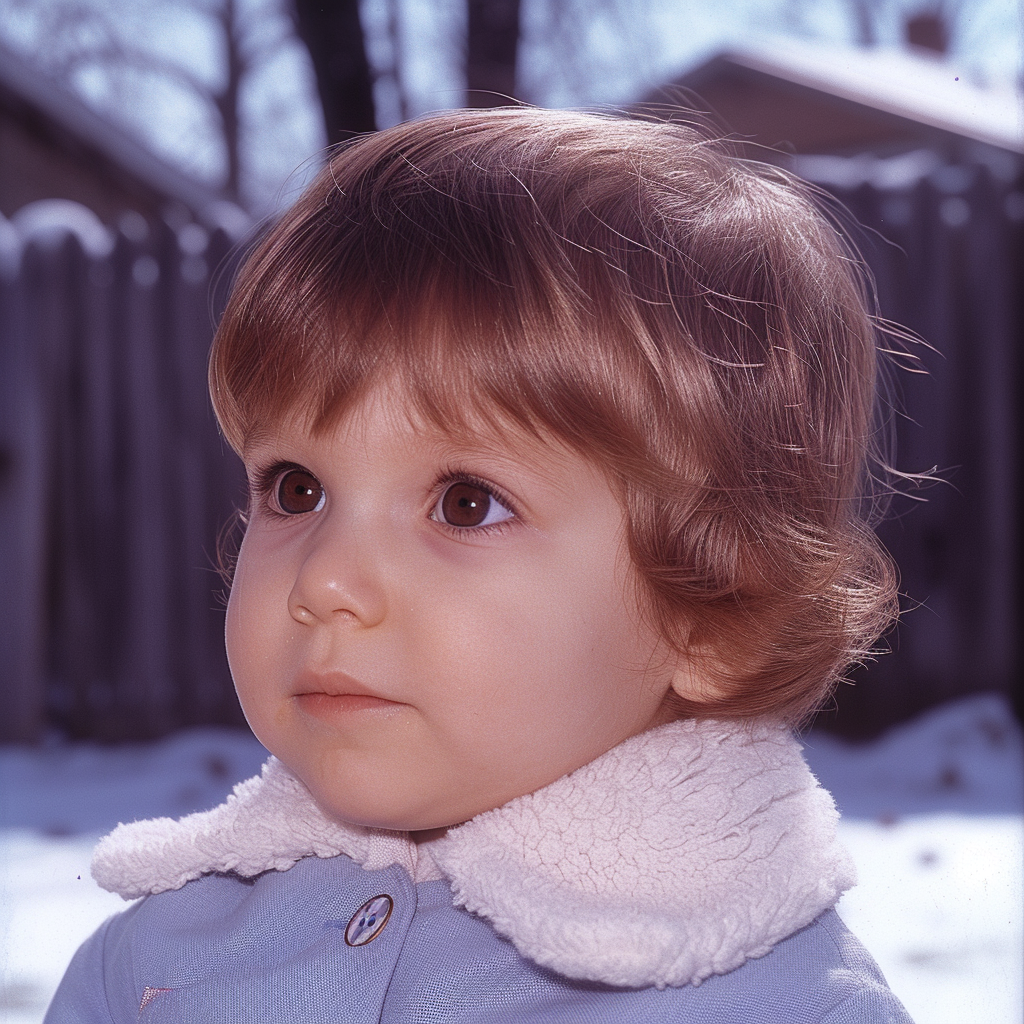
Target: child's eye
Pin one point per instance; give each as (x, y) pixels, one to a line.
(466, 504)
(299, 491)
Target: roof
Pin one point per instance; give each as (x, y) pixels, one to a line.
(68, 122)
(914, 86)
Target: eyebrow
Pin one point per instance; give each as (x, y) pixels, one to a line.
(534, 457)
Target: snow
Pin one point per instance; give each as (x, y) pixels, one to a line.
(933, 815)
(56, 801)
(924, 87)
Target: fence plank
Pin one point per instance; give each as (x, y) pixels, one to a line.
(24, 452)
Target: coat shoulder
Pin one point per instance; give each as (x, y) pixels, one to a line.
(820, 974)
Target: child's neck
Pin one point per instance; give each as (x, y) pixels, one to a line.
(427, 834)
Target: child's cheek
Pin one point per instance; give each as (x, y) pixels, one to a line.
(255, 628)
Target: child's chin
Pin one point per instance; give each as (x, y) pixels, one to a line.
(374, 813)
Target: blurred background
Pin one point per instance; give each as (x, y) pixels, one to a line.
(141, 145)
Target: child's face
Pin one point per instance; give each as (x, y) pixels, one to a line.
(423, 627)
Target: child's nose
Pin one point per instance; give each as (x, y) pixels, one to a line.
(340, 576)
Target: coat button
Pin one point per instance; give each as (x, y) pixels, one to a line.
(369, 920)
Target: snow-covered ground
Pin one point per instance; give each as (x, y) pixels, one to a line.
(933, 814)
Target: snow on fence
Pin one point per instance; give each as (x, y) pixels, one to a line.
(114, 482)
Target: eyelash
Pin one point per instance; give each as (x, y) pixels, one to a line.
(266, 480)
(454, 475)
(265, 483)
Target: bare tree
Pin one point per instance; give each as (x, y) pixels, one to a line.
(341, 43)
(492, 40)
(333, 34)
(347, 80)
(565, 65)
(396, 71)
(89, 38)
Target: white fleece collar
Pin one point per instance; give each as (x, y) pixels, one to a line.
(681, 853)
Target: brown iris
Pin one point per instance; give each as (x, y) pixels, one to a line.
(299, 492)
(465, 505)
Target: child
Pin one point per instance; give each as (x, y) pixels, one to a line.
(556, 427)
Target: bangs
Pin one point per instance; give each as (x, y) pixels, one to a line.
(467, 353)
(457, 280)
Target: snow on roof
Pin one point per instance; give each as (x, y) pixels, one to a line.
(18, 77)
(931, 90)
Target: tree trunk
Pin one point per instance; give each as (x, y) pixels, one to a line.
(227, 100)
(864, 19)
(491, 45)
(333, 35)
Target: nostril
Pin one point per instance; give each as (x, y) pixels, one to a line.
(300, 613)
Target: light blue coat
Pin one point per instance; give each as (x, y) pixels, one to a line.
(688, 875)
(223, 950)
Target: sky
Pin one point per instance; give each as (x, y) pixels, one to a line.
(603, 52)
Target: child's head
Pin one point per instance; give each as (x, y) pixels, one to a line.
(623, 294)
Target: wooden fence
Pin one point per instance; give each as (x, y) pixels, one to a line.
(946, 245)
(114, 482)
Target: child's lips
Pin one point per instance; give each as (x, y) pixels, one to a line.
(327, 705)
(329, 695)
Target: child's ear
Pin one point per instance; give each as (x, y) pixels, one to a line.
(698, 676)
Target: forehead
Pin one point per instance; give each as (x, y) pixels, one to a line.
(453, 426)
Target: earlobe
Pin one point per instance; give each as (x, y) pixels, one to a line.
(696, 677)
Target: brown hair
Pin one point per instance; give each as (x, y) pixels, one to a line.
(687, 320)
